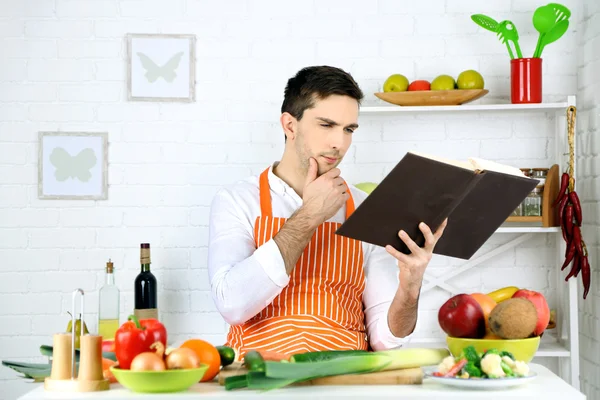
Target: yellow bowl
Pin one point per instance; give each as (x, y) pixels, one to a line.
(522, 349)
(168, 381)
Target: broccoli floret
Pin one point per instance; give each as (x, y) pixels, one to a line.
(491, 351)
(508, 354)
(471, 355)
(472, 369)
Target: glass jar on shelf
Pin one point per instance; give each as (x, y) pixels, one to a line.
(539, 174)
(532, 205)
(518, 211)
(526, 171)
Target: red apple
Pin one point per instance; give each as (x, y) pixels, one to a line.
(419, 85)
(462, 317)
(541, 306)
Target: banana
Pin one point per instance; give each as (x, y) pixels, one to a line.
(502, 294)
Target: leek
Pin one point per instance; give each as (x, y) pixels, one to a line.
(337, 366)
(413, 358)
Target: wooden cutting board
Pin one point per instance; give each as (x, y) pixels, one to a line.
(408, 376)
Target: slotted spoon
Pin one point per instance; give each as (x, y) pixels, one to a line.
(485, 22)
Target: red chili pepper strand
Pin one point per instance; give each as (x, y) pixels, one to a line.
(576, 205)
(561, 215)
(564, 183)
(569, 220)
(571, 250)
(577, 239)
(585, 276)
(575, 268)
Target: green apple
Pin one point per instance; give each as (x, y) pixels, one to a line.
(470, 79)
(395, 83)
(366, 187)
(443, 82)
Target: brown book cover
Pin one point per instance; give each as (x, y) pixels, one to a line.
(476, 200)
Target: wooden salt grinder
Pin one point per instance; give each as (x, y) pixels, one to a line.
(89, 378)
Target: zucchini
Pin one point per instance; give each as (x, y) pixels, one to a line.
(254, 361)
(316, 356)
(227, 355)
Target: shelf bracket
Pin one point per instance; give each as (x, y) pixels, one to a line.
(440, 281)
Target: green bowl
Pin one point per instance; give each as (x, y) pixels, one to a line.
(522, 349)
(169, 381)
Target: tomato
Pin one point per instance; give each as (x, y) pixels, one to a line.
(208, 354)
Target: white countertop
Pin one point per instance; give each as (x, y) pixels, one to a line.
(546, 386)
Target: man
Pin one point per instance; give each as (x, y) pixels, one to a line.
(279, 274)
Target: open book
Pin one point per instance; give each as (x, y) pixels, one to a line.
(475, 195)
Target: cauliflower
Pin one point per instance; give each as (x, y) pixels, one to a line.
(491, 366)
(509, 361)
(521, 368)
(446, 364)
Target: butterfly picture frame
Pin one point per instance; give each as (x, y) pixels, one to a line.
(73, 165)
(161, 67)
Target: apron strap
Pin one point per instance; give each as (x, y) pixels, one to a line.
(349, 203)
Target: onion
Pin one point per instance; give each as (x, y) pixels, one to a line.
(182, 358)
(147, 361)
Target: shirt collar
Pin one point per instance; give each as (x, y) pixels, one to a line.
(278, 185)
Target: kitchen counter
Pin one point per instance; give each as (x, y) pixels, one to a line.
(546, 386)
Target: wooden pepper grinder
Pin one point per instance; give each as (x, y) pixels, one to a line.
(64, 376)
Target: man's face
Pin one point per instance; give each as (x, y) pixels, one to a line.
(325, 132)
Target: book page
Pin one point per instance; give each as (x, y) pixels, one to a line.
(481, 164)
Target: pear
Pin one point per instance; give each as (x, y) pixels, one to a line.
(78, 323)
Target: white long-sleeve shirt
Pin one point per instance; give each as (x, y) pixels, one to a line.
(245, 279)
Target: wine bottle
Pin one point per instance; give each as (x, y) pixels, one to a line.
(108, 305)
(145, 290)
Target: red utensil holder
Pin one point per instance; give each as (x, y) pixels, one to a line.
(526, 80)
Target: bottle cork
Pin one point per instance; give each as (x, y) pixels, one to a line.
(109, 266)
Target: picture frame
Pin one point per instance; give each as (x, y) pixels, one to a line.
(72, 165)
(161, 67)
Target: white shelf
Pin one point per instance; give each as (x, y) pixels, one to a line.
(527, 229)
(465, 107)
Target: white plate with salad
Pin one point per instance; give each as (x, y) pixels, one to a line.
(493, 369)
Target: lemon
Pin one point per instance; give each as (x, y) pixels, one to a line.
(443, 82)
(395, 83)
(470, 79)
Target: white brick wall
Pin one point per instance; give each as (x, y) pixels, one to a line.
(63, 67)
(588, 64)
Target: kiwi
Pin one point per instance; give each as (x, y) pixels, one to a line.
(514, 318)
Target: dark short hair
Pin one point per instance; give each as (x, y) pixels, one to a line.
(317, 82)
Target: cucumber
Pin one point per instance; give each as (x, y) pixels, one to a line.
(254, 361)
(227, 355)
(315, 356)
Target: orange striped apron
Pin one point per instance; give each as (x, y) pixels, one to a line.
(321, 307)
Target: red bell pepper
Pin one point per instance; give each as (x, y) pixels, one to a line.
(135, 337)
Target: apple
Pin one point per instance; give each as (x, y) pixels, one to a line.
(462, 317)
(541, 306)
(366, 187)
(395, 83)
(443, 82)
(419, 85)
